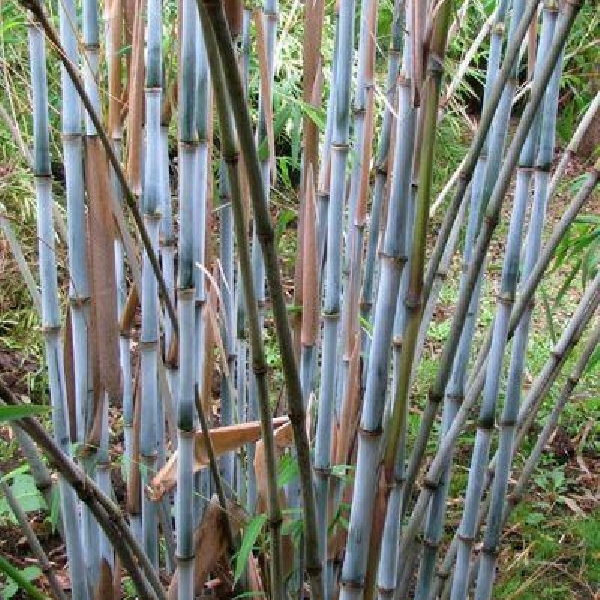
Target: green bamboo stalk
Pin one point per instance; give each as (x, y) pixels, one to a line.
(267, 242)
(259, 361)
(266, 36)
(414, 297)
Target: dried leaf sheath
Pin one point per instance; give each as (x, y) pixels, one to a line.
(102, 253)
(224, 439)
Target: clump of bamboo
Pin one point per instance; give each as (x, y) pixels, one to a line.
(377, 295)
(49, 296)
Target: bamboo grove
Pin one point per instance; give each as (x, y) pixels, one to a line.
(176, 275)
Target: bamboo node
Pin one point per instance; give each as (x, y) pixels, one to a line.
(498, 28)
(508, 422)
(51, 329)
(431, 543)
(187, 293)
(397, 342)
(231, 158)
(339, 147)
(324, 471)
(152, 216)
(492, 552)
(186, 433)
(436, 64)
(467, 539)
(430, 484)
(372, 433)
(260, 369)
(79, 301)
(506, 298)
(147, 344)
(180, 558)
(434, 397)
(384, 591)
(355, 584)
(331, 315)
(486, 423)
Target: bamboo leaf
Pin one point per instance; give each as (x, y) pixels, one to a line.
(11, 413)
(285, 218)
(251, 534)
(22, 579)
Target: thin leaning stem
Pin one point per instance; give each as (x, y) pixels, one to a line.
(32, 539)
(490, 221)
(266, 239)
(259, 362)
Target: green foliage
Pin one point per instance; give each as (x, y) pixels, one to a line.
(579, 252)
(24, 489)
(20, 579)
(12, 413)
(251, 533)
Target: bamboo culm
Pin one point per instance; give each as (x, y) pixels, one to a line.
(490, 220)
(549, 372)
(49, 296)
(332, 280)
(381, 162)
(469, 169)
(506, 298)
(151, 206)
(393, 259)
(455, 389)
(517, 363)
(188, 140)
(538, 391)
